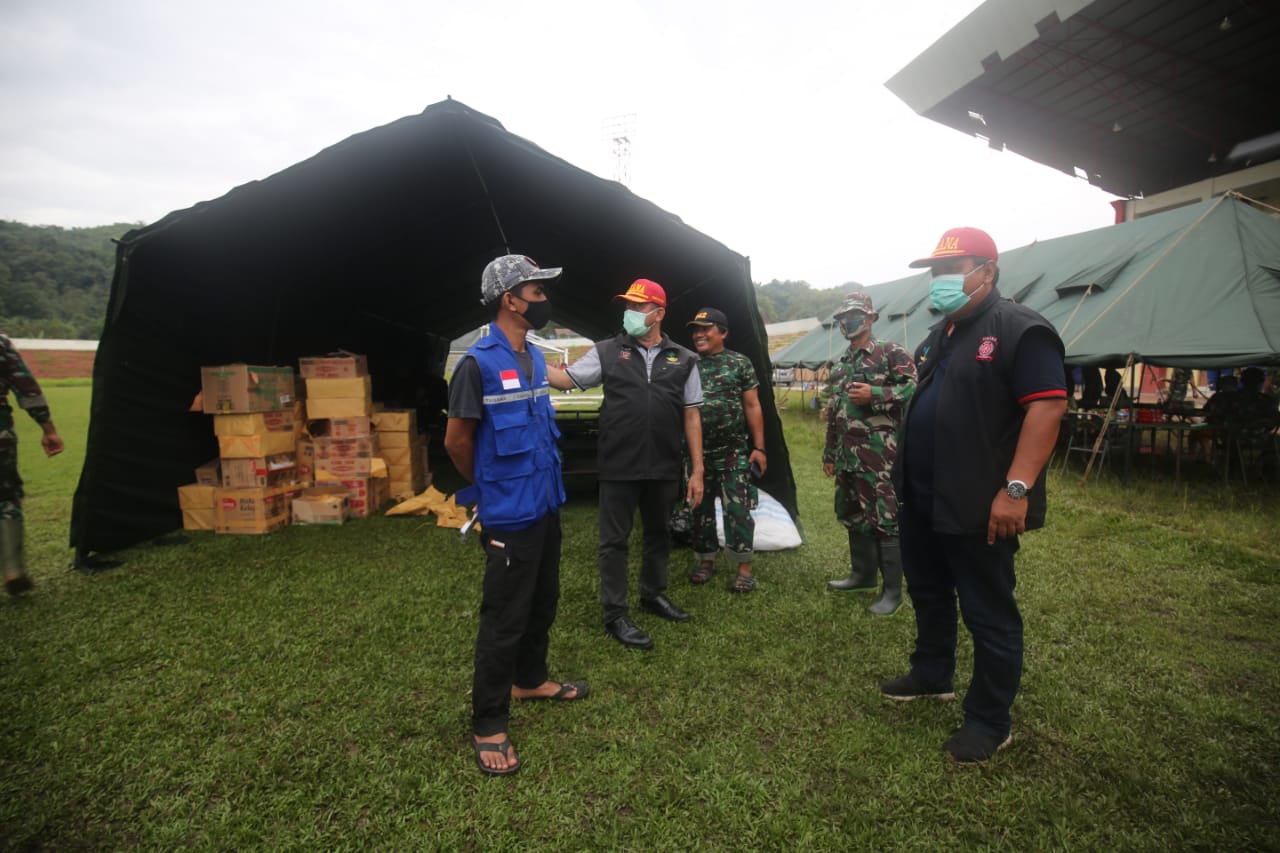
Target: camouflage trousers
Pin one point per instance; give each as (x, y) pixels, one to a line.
(866, 502)
(10, 482)
(726, 477)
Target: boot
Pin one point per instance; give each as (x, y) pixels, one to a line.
(862, 563)
(16, 579)
(891, 567)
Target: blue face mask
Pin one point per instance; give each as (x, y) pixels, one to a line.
(946, 292)
(633, 323)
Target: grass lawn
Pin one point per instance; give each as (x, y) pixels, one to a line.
(309, 690)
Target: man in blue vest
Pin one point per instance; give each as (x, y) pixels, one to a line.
(501, 437)
(652, 393)
(969, 477)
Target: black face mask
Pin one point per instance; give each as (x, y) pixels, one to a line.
(538, 314)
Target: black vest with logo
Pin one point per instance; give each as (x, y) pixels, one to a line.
(642, 418)
(978, 419)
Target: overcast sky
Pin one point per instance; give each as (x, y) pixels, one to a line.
(766, 125)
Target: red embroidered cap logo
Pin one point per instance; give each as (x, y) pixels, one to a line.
(987, 349)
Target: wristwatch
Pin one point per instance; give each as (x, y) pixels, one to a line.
(1016, 489)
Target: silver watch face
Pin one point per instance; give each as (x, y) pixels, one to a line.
(1016, 489)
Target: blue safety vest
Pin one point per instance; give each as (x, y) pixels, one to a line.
(517, 462)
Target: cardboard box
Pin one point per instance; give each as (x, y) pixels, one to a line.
(260, 471)
(198, 519)
(306, 461)
(398, 439)
(253, 511)
(394, 456)
(258, 444)
(367, 494)
(336, 365)
(337, 407)
(360, 426)
(210, 473)
(322, 505)
(396, 420)
(254, 423)
(355, 387)
(407, 487)
(233, 388)
(196, 496)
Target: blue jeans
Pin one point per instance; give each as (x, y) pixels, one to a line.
(941, 570)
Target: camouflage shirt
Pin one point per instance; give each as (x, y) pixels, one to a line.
(15, 377)
(859, 437)
(726, 376)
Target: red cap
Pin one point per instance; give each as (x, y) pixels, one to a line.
(643, 290)
(961, 243)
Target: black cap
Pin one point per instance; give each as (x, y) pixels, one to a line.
(709, 317)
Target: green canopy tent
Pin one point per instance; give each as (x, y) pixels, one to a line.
(1198, 286)
(374, 245)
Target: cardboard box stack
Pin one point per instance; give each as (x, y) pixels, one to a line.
(404, 450)
(344, 445)
(250, 486)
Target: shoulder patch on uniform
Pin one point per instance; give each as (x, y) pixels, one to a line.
(987, 348)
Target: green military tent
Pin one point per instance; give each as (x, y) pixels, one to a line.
(825, 343)
(1197, 286)
(374, 245)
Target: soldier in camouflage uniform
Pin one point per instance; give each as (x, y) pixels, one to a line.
(870, 386)
(15, 376)
(731, 414)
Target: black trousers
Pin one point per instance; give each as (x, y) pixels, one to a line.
(619, 500)
(521, 592)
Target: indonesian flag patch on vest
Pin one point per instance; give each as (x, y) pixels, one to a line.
(510, 380)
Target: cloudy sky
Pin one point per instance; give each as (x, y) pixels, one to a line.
(763, 124)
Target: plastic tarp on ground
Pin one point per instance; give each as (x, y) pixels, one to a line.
(1198, 286)
(374, 245)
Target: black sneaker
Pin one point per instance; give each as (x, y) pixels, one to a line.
(970, 746)
(904, 688)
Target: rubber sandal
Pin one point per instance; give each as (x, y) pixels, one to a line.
(701, 574)
(743, 583)
(501, 746)
(562, 695)
(18, 584)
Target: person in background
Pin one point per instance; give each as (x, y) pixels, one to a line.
(15, 377)
(870, 386)
(501, 436)
(732, 442)
(652, 393)
(970, 479)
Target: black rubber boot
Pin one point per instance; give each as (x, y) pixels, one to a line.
(16, 579)
(862, 563)
(891, 567)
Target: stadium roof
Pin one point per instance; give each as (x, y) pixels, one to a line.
(1139, 96)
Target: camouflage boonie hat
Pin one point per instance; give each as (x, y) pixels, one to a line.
(856, 302)
(508, 272)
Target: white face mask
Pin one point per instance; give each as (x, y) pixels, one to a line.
(635, 323)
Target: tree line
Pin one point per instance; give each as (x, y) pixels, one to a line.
(54, 283)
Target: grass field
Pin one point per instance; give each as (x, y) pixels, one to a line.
(308, 690)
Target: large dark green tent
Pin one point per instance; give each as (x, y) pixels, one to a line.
(374, 245)
(825, 343)
(1198, 286)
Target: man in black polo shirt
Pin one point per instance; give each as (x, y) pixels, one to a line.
(970, 478)
(652, 392)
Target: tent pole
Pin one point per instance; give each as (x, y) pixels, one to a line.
(1102, 433)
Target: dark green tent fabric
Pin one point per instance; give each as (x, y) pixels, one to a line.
(374, 245)
(1198, 286)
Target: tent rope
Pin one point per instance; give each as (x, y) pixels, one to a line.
(1088, 290)
(1122, 294)
(497, 220)
(1106, 423)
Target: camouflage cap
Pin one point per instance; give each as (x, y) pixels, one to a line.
(508, 272)
(856, 302)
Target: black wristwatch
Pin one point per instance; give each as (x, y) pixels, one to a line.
(1016, 489)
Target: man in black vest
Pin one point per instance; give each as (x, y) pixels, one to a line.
(652, 392)
(970, 478)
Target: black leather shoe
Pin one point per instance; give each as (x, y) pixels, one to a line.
(660, 605)
(624, 631)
